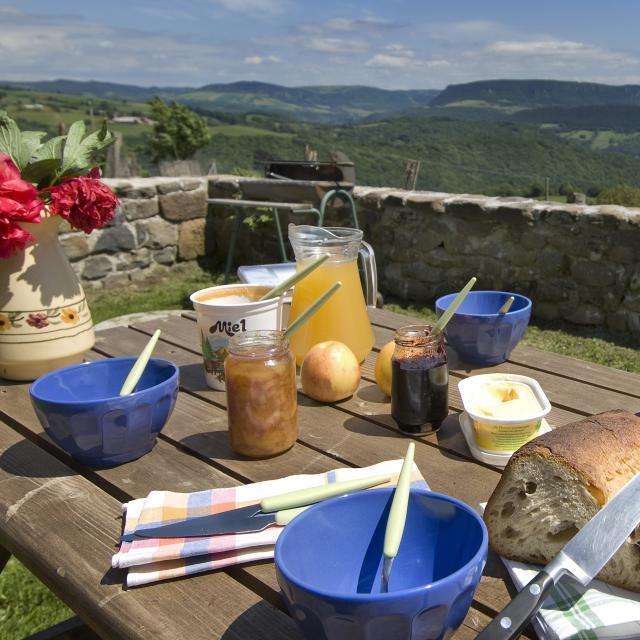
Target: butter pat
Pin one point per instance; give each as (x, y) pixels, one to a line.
(504, 399)
(506, 410)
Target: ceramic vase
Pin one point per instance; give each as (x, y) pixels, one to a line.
(45, 322)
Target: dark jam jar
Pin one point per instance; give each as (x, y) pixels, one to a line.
(419, 380)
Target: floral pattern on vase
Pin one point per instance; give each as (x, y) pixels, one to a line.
(45, 322)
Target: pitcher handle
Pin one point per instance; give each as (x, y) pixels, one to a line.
(370, 273)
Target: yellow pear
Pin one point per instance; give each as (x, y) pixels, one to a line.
(383, 367)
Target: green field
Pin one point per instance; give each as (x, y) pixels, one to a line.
(474, 153)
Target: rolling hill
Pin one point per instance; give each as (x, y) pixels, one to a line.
(313, 103)
(536, 93)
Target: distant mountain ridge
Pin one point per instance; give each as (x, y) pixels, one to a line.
(538, 93)
(315, 103)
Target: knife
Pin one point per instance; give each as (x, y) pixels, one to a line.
(279, 510)
(581, 558)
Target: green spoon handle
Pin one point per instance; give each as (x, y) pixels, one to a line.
(296, 277)
(303, 497)
(452, 308)
(287, 515)
(138, 368)
(507, 305)
(398, 512)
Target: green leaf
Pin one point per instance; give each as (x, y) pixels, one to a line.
(206, 348)
(50, 149)
(30, 141)
(42, 171)
(74, 138)
(10, 138)
(83, 153)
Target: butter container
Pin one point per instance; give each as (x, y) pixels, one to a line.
(506, 410)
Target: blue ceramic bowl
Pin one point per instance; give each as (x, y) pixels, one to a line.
(478, 333)
(329, 563)
(80, 409)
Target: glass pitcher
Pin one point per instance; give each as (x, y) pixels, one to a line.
(344, 317)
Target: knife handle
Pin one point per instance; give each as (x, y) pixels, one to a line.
(518, 613)
(304, 497)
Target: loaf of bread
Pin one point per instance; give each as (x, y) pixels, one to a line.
(553, 485)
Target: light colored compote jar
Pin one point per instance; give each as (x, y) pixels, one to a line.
(260, 375)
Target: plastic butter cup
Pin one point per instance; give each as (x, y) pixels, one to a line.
(501, 436)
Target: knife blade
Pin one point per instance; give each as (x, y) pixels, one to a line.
(582, 558)
(279, 510)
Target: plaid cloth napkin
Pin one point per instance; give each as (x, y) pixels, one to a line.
(582, 613)
(152, 559)
(574, 612)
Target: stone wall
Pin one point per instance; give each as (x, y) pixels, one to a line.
(160, 221)
(578, 263)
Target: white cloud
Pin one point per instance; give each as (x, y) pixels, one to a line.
(252, 6)
(335, 45)
(387, 60)
(261, 59)
(561, 49)
(360, 25)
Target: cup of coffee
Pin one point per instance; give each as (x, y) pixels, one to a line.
(226, 310)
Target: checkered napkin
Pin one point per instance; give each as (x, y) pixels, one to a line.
(574, 612)
(152, 559)
(579, 613)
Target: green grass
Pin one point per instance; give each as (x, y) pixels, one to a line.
(27, 606)
(618, 350)
(165, 294)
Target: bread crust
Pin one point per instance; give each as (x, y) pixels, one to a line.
(596, 457)
(603, 450)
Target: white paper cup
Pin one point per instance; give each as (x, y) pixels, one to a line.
(220, 317)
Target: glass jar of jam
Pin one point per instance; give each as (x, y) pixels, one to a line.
(260, 375)
(419, 380)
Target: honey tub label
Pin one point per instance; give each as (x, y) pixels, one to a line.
(504, 437)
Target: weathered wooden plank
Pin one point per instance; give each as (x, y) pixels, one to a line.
(525, 355)
(351, 440)
(564, 393)
(574, 369)
(190, 474)
(571, 399)
(168, 468)
(62, 527)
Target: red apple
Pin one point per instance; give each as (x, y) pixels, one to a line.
(329, 372)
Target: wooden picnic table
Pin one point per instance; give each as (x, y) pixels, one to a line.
(62, 520)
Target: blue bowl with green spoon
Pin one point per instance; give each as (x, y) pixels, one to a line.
(82, 411)
(329, 563)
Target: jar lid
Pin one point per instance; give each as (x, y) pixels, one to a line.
(259, 343)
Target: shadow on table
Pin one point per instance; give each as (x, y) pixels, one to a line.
(192, 377)
(258, 622)
(19, 460)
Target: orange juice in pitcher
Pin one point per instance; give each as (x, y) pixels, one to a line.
(344, 317)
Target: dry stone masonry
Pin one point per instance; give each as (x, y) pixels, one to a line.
(578, 263)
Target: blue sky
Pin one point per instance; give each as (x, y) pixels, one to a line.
(397, 44)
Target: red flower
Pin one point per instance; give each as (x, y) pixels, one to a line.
(85, 202)
(19, 202)
(38, 320)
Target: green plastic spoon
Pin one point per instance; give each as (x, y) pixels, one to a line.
(139, 365)
(397, 516)
(296, 277)
(311, 309)
(506, 306)
(452, 308)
